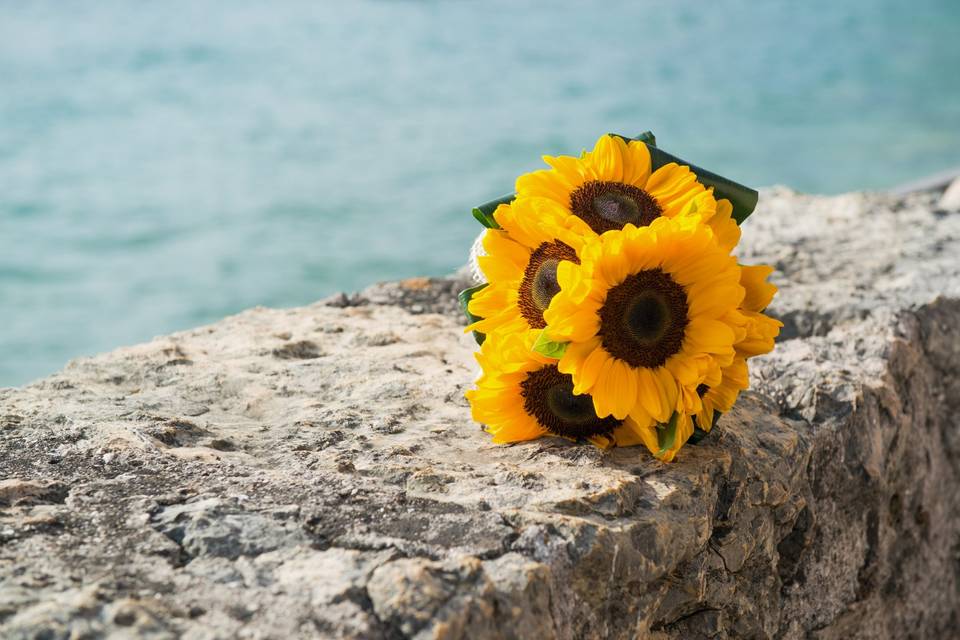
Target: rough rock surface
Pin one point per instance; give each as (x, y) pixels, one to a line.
(314, 472)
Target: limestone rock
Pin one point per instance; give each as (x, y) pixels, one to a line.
(950, 200)
(314, 473)
(18, 492)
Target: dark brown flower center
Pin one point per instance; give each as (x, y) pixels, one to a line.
(606, 206)
(539, 283)
(548, 397)
(643, 319)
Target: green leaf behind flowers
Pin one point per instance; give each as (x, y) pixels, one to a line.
(547, 347)
(698, 435)
(484, 212)
(464, 297)
(646, 137)
(667, 434)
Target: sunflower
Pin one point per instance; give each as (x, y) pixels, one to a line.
(649, 315)
(758, 334)
(522, 396)
(613, 186)
(521, 264)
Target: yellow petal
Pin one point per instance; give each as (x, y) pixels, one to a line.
(571, 171)
(603, 390)
(602, 441)
(577, 327)
(636, 169)
(673, 185)
(640, 416)
(759, 292)
(575, 357)
(605, 159)
(714, 301)
(545, 184)
(627, 436)
(668, 387)
(710, 336)
(649, 395)
(625, 384)
(586, 377)
(724, 227)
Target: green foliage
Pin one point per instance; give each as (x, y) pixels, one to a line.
(698, 435)
(464, 297)
(646, 137)
(547, 347)
(667, 434)
(484, 212)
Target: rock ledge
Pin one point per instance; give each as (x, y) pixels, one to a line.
(313, 472)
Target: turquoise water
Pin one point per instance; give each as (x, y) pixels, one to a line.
(165, 164)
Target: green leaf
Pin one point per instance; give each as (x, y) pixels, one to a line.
(647, 137)
(698, 432)
(667, 434)
(698, 435)
(547, 347)
(484, 212)
(484, 219)
(743, 198)
(464, 297)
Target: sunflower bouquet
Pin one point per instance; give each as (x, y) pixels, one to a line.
(612, 309)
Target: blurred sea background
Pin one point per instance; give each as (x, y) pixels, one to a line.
(163, 165)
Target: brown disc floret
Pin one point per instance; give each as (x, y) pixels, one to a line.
(548, 396)
(539, 284)
(607, 206)
(642, 321)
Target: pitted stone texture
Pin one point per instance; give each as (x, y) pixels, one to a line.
(313, 473)
(851, 257)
